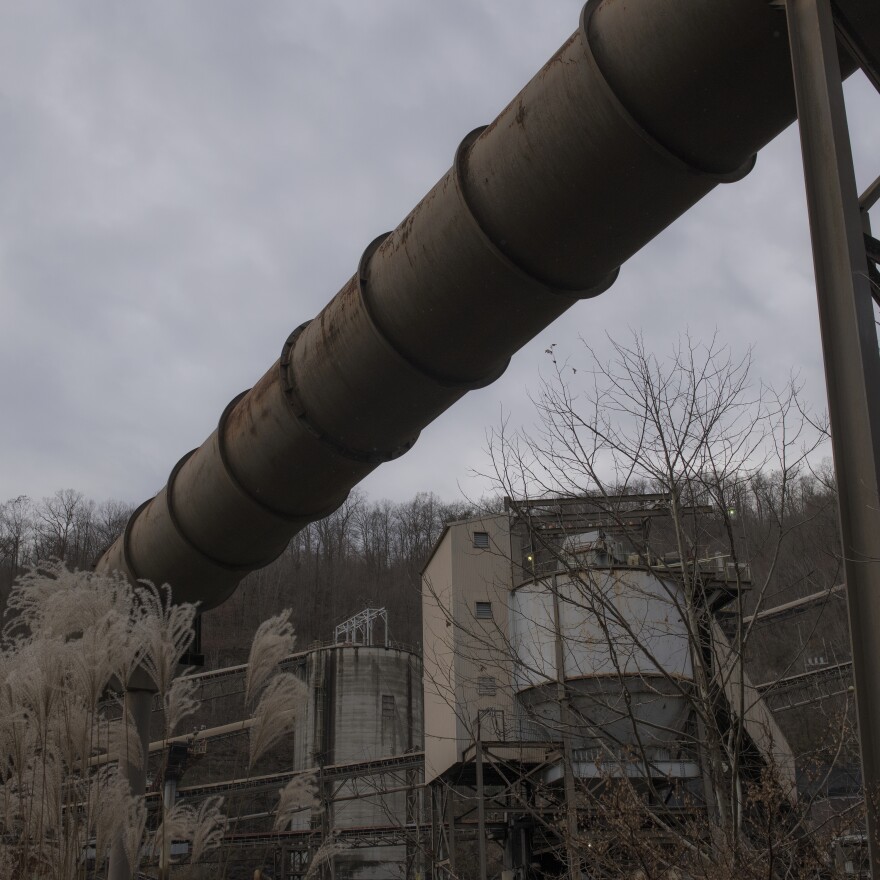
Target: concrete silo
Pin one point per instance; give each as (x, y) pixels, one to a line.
(361, 731)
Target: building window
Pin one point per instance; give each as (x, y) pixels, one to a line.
(481, 540)
(387, 705)
(483, 610)
(486, 685)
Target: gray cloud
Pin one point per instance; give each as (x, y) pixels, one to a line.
(182, 184)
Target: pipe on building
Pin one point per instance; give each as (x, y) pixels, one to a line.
(591, 160)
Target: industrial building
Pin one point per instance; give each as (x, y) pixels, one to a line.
(557, 657)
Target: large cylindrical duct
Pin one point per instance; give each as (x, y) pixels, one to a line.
(641, 112)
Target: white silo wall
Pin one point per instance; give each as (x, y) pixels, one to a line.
(623, 640)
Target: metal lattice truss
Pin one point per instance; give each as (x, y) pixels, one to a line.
(807, 688)
(508, 795)
(361, 628)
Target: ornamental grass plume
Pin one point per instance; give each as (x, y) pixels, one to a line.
(69, 639)
(94, 614)
(203, 826)
(276, 713)
(273, 641)
(37, 682)
(123, 741)
(180, 702)
(49, 600)
(209, 824)
(108, 806)
(165, 630)
(72, 731)
(301, 793)
(134, 822)
(329, 848)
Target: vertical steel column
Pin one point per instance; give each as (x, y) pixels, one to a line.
(414, 849)
(481, 803)
(139, 703)
(434, 792)
(450, 837)
(169, 797)
(852, 364)
(571, 816)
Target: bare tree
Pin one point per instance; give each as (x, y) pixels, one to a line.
(108, 522)
(658, 504)
(67, 526)
(16, 523)
(58, 522)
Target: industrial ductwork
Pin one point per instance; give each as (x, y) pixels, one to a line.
(644, 109)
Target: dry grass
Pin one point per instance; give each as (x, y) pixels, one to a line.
(70, 639)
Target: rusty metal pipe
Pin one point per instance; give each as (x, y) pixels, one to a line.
(592, 159)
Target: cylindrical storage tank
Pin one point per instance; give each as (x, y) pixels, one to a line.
(365, 704)
(626, 660)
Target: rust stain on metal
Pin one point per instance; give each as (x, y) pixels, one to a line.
(235, 422)
(331, 321)
(253, 402)
(557, 58)
(403, 232)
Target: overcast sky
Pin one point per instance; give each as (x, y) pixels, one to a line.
(181, 184)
